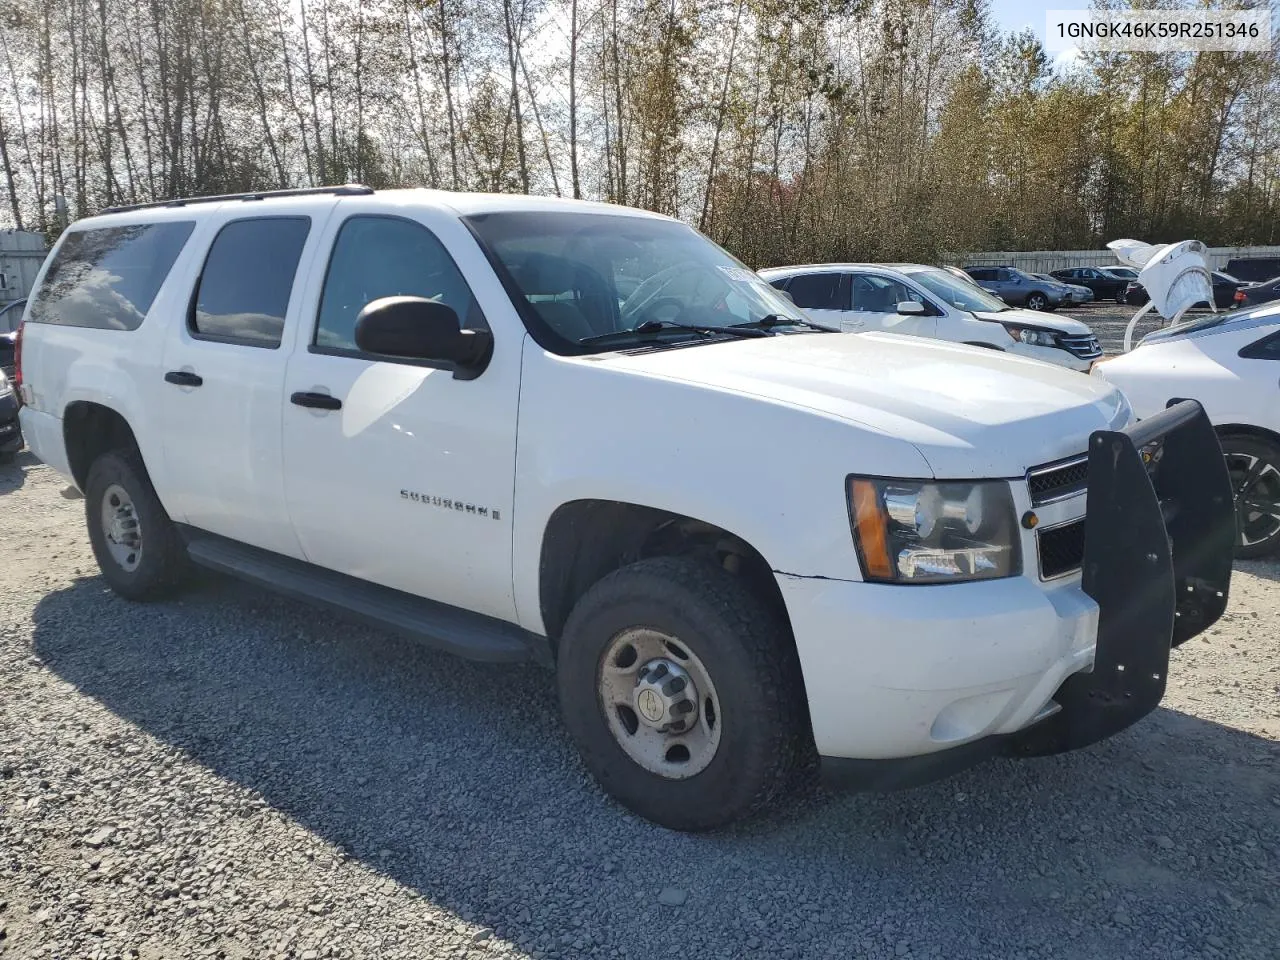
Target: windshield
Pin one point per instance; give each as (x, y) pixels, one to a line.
(961, 295)
(583, 276)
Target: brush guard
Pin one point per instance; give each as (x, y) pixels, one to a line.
(1160, 531)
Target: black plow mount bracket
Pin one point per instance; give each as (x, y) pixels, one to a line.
(1160, 531)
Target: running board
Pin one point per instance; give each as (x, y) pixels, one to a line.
(456, 631)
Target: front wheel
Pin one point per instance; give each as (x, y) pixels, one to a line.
(683, 693)
(137, 546)
(1037, 301)
(1254, 466)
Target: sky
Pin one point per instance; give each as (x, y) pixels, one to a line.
(1014, 15)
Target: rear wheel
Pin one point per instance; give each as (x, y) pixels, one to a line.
(1254, 466)
(137, 546)
(682, 693)
(1120, 297)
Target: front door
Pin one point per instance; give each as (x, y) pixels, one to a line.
(875, 300)
(404, 475)
(224, 370)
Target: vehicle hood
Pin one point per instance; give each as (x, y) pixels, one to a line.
(1035, 318)
(970, 412)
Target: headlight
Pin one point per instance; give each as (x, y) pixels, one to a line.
(912, 531)
(1032, 336)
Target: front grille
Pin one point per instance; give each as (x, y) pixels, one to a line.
(1083, 345)
(1057, 481)
(1061, 549)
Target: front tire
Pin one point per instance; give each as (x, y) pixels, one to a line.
(1254, 466)
(1037, 301)
(683, 693)
(137, 546)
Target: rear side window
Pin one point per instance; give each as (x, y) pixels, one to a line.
(1268, 348)
(243, 293)
(108, 278)
(982, 273)
(819, 291)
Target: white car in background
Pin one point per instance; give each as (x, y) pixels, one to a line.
(1231, 364)
(924, 301)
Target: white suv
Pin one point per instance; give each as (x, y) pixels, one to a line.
(524, 428)
(923, 301)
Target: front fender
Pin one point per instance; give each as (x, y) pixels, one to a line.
(769, 473)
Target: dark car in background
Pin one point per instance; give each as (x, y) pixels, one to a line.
(10, 318)
(1224, 291)
(10, 428)
(1254, 269)
(1104, 284)
(1256, 293)
(1075, 292)
(1019, 289)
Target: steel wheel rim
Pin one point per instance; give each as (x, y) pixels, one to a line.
(1255, 483)
(624, 691)
(121, 528)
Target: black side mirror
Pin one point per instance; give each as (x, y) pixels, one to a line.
(415, 328)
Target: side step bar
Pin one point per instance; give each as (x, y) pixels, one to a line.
(460, 632)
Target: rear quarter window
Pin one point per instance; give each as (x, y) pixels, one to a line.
(1268, 348)
(107, 278)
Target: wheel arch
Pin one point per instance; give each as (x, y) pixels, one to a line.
(1248, 430)
(585, 540)
(90, 429)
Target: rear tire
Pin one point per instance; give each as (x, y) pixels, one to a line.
(1254, 466)
(138, 548)
(756, 727)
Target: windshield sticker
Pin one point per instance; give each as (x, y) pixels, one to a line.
(740, 274)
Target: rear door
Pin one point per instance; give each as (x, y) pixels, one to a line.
(223, 373)
(823, 296)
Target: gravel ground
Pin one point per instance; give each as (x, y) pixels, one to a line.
(235, 775)
(1108, 321)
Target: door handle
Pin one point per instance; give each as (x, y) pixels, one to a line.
(183, 378)
(316, 401)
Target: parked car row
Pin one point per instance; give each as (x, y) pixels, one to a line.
(925, 301)
(1225, 289)
(1245, 283)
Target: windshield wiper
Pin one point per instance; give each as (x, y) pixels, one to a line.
(658, 326)
(776, 320)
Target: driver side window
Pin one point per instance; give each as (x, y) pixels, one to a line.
(876, 294)
(380, 256)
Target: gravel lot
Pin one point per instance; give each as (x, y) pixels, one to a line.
(1108, 321)
(235, 775)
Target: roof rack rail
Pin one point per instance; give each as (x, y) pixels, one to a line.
(342, 190)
